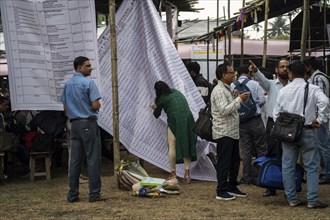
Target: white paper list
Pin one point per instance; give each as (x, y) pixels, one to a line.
(42, 39)
(145, 55)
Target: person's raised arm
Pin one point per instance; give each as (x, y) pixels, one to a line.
(259, 76)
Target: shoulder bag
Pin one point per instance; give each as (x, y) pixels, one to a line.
(203, 125)
(288, 126)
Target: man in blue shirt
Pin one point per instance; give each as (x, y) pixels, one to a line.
(252, 131)
(80, 98)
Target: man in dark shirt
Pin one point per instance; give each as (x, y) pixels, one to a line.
(201, 83)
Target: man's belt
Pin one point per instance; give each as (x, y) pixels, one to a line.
(82, 120)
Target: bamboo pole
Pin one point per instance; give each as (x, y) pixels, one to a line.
(304, 31)
(242, 37)
(229, 35)
(208, 51)
(324, 35)
(217, 37)
(115, 112)
(264, 54)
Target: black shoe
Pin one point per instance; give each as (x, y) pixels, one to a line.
(318, 205)
(297, 204)
(324, 180)
(225, 196)
(237, 192)
(74, 200)
(98, 199)
(244, 181)
(269, 192)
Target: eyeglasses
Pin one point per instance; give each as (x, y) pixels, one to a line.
(283, 66)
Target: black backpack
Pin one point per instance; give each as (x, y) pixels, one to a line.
(248, 108)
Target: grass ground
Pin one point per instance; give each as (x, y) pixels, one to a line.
(42, 199)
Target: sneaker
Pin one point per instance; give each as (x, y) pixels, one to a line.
(225, 196)
(237, 192)
(318, 205)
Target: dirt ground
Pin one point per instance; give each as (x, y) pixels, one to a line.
(42, 199)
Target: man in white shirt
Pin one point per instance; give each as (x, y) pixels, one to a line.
(291, 99)
(272, 87)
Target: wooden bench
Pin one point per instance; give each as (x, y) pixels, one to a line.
(35, 155)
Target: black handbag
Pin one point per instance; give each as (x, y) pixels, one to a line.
(288, 126)
(203, 125)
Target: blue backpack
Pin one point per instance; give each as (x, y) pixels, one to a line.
(248, 108)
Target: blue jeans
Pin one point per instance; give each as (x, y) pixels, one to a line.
(310, 156)
(323, 137)
(85, 141)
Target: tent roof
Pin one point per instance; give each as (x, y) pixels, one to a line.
(257, 7)
(182, 5)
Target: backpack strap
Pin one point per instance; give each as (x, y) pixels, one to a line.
(245, 82)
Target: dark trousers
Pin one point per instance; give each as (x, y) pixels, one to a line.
(228, 164)
(252, 140)
(85, 144)
(274, 145)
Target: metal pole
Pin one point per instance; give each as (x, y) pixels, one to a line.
(304, 30)
(264, 55)
(115, 112)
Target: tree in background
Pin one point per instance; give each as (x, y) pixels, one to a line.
(279, 27)
(257, 27)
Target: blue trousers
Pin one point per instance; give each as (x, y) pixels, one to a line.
(85, 143)
(310, 156)
(323, 137)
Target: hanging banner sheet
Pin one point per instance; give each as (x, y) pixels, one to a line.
(145, 55)
(42, 38)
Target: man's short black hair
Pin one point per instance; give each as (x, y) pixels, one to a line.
(297, 68)
(194, 66)
(243, 69)
(311, 61)
(221, 70)
(79, 61)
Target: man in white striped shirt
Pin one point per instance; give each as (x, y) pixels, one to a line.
(291, 99)
(316, 77)
(225, 132)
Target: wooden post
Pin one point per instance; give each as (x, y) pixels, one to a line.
(229, 35)
(264, 55)
(304, 30)
(115, 113)
(169, 19)
(242, 37)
